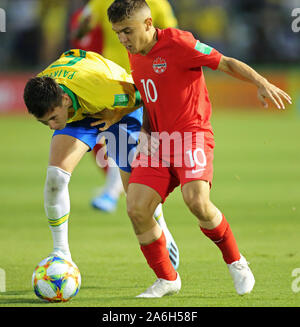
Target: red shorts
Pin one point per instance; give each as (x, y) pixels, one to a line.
(180, 159)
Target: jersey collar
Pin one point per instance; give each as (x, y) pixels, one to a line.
(73, 97)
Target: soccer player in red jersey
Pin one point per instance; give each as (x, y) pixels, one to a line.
(167, 70)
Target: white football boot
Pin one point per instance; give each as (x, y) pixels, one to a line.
(105, 202)
(162, 287)
(242, 276)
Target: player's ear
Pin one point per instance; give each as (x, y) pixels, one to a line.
(66, 100)
(148, 23)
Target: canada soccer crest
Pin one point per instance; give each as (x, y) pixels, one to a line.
(159, 65)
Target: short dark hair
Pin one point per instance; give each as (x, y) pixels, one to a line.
(42, 95)
(123, 9)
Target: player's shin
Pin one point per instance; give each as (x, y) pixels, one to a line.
(108, 199)
(57, 208)
(114, 184)
(170, 243)
(153, 245)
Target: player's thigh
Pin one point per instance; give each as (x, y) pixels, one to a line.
(122, 139)
(66, 151)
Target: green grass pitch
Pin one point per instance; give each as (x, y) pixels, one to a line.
(256, 185)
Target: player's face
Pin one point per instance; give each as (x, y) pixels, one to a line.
(134, 34)
(58, 117)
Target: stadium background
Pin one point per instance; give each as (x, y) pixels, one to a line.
(257, 161)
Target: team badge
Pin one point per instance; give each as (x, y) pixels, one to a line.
(159, 65)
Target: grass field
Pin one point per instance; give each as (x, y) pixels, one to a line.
(256, 185)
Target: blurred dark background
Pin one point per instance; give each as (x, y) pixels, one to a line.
(258, 32)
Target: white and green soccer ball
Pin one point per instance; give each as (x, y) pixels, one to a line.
(56, 280)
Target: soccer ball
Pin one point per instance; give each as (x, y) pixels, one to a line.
(56, 280)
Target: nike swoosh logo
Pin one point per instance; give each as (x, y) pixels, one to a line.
(194, 171)
(218, 241)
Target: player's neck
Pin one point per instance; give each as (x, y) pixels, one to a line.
(71, 112)
(151, 43)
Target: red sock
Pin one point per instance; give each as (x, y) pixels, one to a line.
(158, 259)
(223, 237)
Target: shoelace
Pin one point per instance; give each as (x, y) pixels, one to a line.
(157, 282)
(241, 265)
(152, 287)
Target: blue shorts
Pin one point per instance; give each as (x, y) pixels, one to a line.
(121, 138)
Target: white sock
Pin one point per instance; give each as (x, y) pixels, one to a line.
(57, 207)
(114, 185)
(159, 217)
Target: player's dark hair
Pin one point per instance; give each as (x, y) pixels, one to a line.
(124, 9)
(42, 95)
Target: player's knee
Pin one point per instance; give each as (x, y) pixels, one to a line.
(199, 207)
(57, 180)
(136, 211)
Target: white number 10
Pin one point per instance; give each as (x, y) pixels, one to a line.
(194, 161)
(146, 86)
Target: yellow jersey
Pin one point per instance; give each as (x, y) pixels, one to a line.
(93, 83)
(162, 15)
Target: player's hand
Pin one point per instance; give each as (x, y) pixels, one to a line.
(275, 94)
(147, 143)
(107, 117)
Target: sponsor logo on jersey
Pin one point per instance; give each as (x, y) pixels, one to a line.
(121, 100)
(159, 65)
(203, 48)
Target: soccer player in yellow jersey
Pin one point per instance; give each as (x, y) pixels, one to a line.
(95, 12)
(70, 96)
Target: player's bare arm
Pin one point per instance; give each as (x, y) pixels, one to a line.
(110, 117)
(265, 90)
(147, 143)
(146, 122)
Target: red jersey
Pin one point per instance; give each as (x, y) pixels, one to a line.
(171, 82)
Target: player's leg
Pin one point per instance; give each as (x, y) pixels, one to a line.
(122, 153)
(148, 187)
(214, 225)
(65, 153)
(108, 199)
(196, 196)
(171, 244)
(141, 203)
(124, 175)
(67, 148)
(159, 217)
